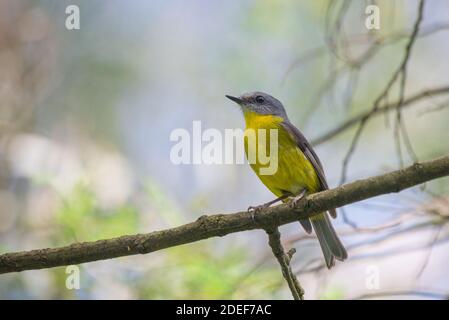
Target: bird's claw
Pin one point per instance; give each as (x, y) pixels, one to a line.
(255, 210)
(295, 201)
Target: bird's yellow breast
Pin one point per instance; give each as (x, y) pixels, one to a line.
(294, 171)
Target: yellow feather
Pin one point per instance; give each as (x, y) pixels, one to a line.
(294, 170)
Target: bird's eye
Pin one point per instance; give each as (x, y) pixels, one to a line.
(260, 99)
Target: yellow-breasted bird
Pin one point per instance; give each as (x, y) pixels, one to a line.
(299, 170)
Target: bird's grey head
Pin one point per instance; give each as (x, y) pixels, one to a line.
(260, 103)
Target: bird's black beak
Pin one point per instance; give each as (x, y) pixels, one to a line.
(236, 100)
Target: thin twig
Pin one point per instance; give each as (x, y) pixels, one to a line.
(348, 124)
(429, 252)
(400, 72)
(274, 240)
(399, 125)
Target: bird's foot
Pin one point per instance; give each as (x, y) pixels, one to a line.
(295, 201)
(257, 209)
(254, 210)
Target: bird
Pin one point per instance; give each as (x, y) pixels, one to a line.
(299, 170)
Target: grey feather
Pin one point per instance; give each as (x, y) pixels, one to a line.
(329, 241)
(306, 225)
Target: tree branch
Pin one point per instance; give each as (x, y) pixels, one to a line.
(398, 74)
(222, 224)
(274, 240)
(386, 108)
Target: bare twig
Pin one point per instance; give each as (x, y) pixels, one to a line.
(400, 72)
(385, 108)
(379, 42)
(429, 252)
(436, 107)
(399, 125)
(274, 240)
(354, 231)
(316, 265)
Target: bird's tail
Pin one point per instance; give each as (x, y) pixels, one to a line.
(330, 244)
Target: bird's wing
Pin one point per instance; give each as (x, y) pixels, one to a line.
(308, 151)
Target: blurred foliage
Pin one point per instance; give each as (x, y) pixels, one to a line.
(197, 272)
(333, 294)
(80, 218)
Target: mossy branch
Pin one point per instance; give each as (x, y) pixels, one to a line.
(219, 225)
